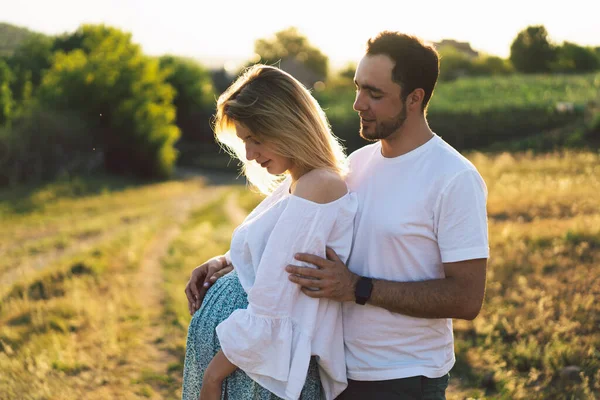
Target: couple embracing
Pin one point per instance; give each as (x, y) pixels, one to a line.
(343, 282)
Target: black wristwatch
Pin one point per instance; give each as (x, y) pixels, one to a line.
(363, 289)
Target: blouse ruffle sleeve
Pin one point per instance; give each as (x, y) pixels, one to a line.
(273, 339)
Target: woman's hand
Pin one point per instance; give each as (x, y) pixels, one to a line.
(216, 372)
(210, 390)
(202, 278)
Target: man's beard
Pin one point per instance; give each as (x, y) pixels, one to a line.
(384, 129)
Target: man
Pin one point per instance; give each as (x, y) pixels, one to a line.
(420, 248)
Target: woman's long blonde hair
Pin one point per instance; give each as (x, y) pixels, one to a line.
(281, 113)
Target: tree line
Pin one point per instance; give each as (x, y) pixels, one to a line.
(92, 100)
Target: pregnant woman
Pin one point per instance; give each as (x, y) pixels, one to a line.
(256, 335)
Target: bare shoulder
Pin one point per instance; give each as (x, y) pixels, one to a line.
(320, 186)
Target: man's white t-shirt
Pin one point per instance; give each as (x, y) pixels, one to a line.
(416, 212)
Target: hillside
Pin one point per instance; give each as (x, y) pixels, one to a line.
(11, 37)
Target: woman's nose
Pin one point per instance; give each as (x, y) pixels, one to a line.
(251, 153)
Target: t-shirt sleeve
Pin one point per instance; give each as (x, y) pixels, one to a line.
(461, 222)
(271, 339)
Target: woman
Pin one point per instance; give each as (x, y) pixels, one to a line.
(257, 336)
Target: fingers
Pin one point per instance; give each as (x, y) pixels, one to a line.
(195, 280)
(305, 271)
(331, 254)
(220, 274)
(315, 294)
(188, 293)
(305, 282)
(212, 270)
(191, 308)
(196, 294)
(312, 259)
(192, 300)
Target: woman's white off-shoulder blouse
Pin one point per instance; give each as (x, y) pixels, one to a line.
(273, 339)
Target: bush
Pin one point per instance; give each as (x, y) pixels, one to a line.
(45, 144)
(194, 97)
(491, 65)
(122, 95)
(574, 58)
(475, 129)
(531, 51)
(454, 64)
(6, 97)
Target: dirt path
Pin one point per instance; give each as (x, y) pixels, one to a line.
(150, 285)
(31, 264)
(152, 360)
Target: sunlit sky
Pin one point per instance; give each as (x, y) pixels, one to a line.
(219, 30)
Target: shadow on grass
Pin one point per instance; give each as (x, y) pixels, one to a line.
(463, 374)
(26, 198)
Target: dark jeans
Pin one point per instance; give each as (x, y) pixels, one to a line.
(413, 388)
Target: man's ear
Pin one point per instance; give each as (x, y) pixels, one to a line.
(415, 98)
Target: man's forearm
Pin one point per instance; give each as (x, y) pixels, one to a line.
(437, 298)
(458, 295)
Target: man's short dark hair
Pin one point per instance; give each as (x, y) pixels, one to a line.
(416, 66)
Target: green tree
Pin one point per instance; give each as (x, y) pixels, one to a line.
(290, 43)
(531, 51)
(122, 95)
(29, 62)
(11, 37)
(574, 58)
(348, 71)
(41, 144)
(454, 63)
(72, 41)
(194, 97)
(491, 65)
(6, 98)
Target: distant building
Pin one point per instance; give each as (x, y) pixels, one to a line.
(463, 47)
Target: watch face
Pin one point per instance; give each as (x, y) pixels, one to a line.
(363, 290)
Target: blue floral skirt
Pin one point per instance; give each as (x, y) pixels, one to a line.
(223, 298)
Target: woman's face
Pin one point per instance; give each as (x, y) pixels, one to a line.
(261, 153)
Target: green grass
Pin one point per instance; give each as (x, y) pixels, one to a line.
(80, 325)
(204, 235)
(478, 94)
(77, 324)
(514, 91)
(540, 314)
(476, 113)
(66, 327)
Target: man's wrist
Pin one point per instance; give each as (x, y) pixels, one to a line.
(351, 295)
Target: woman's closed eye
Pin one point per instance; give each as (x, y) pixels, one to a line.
(251, 140)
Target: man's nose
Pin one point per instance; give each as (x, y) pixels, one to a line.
(359, 103)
